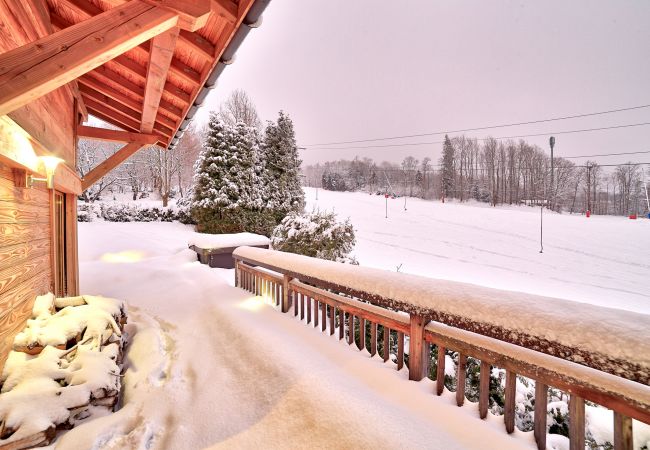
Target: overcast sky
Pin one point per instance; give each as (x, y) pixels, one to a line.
(347, 70)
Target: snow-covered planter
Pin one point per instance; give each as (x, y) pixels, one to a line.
(64, 365)
(316, 234)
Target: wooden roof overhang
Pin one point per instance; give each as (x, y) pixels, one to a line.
(136, 64)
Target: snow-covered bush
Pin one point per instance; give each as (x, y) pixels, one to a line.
(87, 212)
(128, 212)
(317, 234)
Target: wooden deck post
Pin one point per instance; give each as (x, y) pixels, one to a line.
(419, 349)
(622, 432)
(286, 303)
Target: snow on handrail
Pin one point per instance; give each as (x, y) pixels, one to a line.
(606, 339)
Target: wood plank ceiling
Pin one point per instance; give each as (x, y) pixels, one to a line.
(150, 88)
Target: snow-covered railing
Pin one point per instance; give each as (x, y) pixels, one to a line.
(582, 349)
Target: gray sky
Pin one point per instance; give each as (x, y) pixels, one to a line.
(347, 70)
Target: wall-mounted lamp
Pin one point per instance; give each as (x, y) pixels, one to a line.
(49, 163)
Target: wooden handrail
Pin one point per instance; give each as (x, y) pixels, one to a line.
(628, 399)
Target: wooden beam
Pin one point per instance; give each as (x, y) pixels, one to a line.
(33, 70)
(130, 123)
(109, 164)
(162, 50)
(192, 15)
(104, 134)
(177, 67)
(39, 17)
(225, 9)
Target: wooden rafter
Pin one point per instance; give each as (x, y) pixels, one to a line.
(104, 134)
(180, 69)
(162, 50)
(33, 70)
(109, 164)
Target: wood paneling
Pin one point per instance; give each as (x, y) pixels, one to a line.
(25, 254)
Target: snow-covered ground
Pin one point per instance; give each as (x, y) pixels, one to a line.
(212, 366)
(599, 260)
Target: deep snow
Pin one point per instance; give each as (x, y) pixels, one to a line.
(212, 366)
(600, 260)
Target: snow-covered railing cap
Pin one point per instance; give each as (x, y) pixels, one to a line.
(606, 339)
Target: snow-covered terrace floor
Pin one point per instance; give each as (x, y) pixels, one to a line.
(211, 366)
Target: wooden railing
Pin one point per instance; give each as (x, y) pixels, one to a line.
(338, 313)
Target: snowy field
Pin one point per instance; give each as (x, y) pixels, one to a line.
(600, 260)
(211, 366)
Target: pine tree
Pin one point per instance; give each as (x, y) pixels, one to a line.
(282, 191)
(447, 168)
(224, 181)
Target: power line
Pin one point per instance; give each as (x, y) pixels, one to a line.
(410, 144)
(489, 127)
(604, 154)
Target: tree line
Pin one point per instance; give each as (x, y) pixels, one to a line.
(495, 172)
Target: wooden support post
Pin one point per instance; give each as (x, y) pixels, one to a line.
(362, 334)
(35, 69)
(350, 328)
(622, 432)
(286, 304)
(400, 350)
(419, 348)
(373, 338)
(460, 379)
(109, 164)
(576, 422)
(484, 389)
(386, 343)
(316, 312)
(541, 402)
(440, 371)
(509, 407)
(341, 324)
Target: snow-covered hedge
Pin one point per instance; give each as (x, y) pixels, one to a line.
(130, 212)
(317, 234)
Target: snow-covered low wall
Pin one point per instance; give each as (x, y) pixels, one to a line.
(607, 339)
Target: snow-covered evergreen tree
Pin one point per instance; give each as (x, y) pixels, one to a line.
(225, 196)
(447, 162)
(281, 188)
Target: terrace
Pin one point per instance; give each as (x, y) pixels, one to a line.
(298, 352)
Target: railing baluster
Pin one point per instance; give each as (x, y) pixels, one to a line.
(323, 319)
(362, 333)
(386, 354)
(308, 309)
(350, 328)
(460, 379)
(332, 319)
(341, 324)
(237, 273)
(576, 422)
(622, 432)
(373, 338)
(286, 300)
(316, 312)
(541, 402)
(440, 371)
(509, 407)
(302, 306)
(278, 297)
(400, 350)
(484, 389)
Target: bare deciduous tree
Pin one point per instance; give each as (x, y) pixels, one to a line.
(239, 107)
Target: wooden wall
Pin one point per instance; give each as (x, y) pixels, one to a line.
(25, 254)
(26, 250)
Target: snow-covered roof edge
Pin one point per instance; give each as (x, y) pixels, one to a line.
(607, 339)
